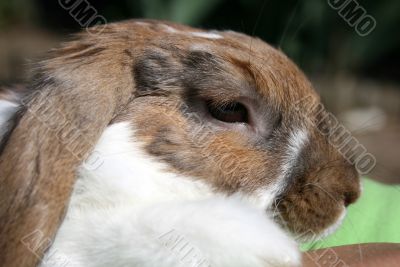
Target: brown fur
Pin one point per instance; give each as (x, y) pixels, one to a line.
(37, 169)
(158, 81)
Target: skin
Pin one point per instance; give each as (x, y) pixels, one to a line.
(366, 255)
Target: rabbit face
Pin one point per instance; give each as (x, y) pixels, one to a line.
(221, 107)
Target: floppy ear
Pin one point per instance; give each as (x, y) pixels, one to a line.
(73, 98)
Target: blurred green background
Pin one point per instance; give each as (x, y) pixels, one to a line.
(358, 77)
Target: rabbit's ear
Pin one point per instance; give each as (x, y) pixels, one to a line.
(57, 126)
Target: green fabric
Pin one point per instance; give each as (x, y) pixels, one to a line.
(375, 217)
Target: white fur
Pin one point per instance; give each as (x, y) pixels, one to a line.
(297, 140)
(7, 109)
(142, 23)
(331, 229)
(266, 196)
(208, 35)
(170, 29)
(296, 143)
(129, 211)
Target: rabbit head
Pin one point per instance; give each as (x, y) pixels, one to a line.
(223, 107)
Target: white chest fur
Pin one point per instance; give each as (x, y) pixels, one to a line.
(119, 172)
(126, 210)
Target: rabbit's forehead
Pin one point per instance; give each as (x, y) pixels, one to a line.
(225, 60)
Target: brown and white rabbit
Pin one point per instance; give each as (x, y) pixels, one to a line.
(147, 132)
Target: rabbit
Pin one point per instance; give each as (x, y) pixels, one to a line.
(148, 143)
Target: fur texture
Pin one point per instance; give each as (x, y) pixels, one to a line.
(219, 185)
(131, 212)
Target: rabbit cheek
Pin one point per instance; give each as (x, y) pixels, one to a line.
(236, 166)
(223, 160)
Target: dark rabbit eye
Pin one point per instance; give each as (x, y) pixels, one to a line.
(231, 113)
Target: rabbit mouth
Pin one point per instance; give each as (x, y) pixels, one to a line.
(333, 227)
(312, 236)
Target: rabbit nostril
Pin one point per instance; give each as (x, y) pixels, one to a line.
(349, 198)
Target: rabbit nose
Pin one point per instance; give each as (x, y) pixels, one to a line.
(350, 197)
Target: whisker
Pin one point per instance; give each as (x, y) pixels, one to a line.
(288, 24)
(255, 27)
(324, 190)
